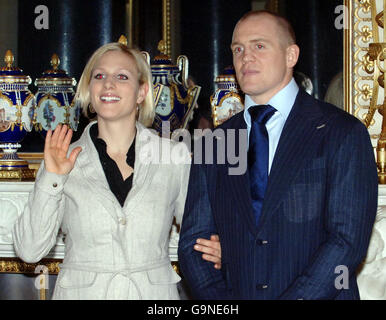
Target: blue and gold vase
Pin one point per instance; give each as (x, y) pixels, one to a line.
(55, 102)
(177, 98)
(17, 106)
(227, 100)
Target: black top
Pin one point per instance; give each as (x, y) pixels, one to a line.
(119, 187)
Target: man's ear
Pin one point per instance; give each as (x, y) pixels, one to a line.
(143, 90)
(292, 55)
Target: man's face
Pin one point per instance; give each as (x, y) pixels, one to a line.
(262, 58)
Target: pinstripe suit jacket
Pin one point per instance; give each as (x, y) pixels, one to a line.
(317, 214)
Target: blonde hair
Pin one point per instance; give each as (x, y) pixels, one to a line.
(146, 108)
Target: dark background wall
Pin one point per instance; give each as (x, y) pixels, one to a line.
(320, 42)
(206, 34)
(76, 29)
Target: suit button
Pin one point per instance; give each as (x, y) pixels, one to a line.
(122, 221)
(261, 286)
(262, 242)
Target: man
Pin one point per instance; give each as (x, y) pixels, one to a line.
(302, 231)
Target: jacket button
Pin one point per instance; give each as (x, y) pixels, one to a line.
(122, 221)
(55, 185)
(262, 242)
(261, 286)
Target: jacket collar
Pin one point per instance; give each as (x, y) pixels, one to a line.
(92, 171)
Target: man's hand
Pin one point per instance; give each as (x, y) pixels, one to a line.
(211, 250)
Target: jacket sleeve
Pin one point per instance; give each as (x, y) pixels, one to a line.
(204, 280)
(35, 231)
(351, 205)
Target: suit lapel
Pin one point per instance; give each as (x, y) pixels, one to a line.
(296, 146)
(238, 185)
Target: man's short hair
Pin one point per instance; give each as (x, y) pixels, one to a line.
(282, 22)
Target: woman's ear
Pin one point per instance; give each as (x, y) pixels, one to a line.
(292, 55)
(142, 92)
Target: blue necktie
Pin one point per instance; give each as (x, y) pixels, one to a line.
(258, 155)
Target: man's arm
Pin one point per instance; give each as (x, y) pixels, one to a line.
(351, 205)
(204, 280)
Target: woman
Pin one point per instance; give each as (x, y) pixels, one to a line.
(112, 193)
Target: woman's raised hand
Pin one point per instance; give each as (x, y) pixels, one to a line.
(55, 151)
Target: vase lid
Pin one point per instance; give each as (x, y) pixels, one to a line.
(55, 76)
(228, 75)
(10, 74)
(163, 61)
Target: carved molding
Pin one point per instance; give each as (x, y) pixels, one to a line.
(365, 26)
(15, 265)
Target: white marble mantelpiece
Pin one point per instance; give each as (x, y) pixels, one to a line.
(372, 276)
(13, 198)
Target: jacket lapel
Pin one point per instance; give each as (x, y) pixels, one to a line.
(238, 185)
(92, 171)
(296, 146)
(94, 175)
(146, 143)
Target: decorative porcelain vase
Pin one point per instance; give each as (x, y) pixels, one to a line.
(55, 102)
(17, 106)
(227, 100)
(177, 99)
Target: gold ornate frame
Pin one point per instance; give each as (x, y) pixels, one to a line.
(15, 265)
(363, 94)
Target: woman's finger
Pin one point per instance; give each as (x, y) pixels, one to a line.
(61, 137)
(210, 244)
(55, 135)
(206, 249)
(48, 140)
(74, 154)
(211, 258)
(214, 237)
(67, 139)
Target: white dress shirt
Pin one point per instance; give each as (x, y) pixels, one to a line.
(282, 102)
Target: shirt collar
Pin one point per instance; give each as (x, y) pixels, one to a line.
(101, 146)
(282, 101)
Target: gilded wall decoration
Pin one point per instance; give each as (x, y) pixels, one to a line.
(364, 92)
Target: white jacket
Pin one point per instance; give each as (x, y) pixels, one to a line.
(111, 252)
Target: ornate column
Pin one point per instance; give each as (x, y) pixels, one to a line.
(8, 27)
(206, 35)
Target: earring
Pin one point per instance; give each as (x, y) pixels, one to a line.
(90, 108)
